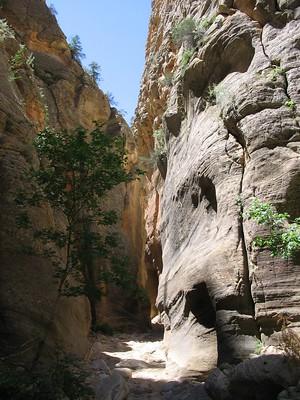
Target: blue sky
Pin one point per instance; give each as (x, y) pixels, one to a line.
(113, 33)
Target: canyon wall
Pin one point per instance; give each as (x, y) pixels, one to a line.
(229, 111)
(54, 90)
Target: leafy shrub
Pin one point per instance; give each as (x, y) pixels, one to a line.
(168, 79)
(160, 147)
(211, 96)
(159, 153)
(183, 30)
(275, 72)
(21, 60)
(63, 379)
(6, 32)
(76, 49)
(284, 236)
(290, 104)
(202, 27)
(186, 58)
(206, 23)
(216, 94)
(258, 346)
(188, 29)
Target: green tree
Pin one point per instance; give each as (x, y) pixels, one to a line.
(283, 238)
(76, 48)
(94, 71)
(111, 99)
(76, 171)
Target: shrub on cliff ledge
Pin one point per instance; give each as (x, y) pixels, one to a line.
(160, 147)
(186, 58)
(187, 30)
(22, 60)
(76, 49)
(184, 30)
(283, 238)
(6, 32)
(94, 70)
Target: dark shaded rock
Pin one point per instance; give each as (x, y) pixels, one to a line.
(173, 123)
(260, 378)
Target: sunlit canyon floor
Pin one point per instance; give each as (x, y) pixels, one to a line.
(143, 357)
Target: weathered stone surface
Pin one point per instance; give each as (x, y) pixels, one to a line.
(60, 93)
(238, 137)
(113, 387)
(258, 378)
(291, 393)
(125, 372)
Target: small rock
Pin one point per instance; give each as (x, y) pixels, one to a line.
(157, 323)
(125, 372)
(101, 365)
(112, 387)
(132, 364)
(223, 9)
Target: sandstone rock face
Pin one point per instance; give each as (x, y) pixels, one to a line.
(231, 120)
(59, 93)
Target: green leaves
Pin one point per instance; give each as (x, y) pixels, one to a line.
(186, 58)
(189, 29)
(6, 32)
(76, 171)
(21, 60)
(94, 71)
(76, 48)
(183, 30)
(284, 237)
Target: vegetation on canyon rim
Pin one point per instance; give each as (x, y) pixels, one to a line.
(283, 238)
(75, 173)
(22, 59)
(76, 49)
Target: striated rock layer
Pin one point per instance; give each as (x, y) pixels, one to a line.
(231, 121)
(59, 93)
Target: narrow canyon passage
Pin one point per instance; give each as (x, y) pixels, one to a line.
(141, 359)
(184, 220)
